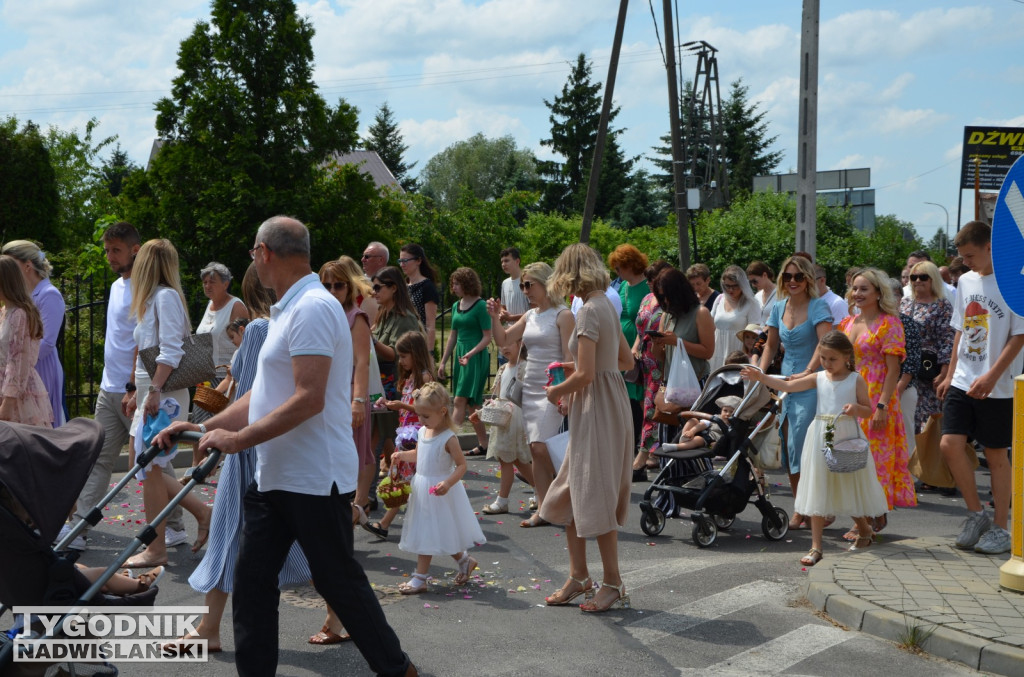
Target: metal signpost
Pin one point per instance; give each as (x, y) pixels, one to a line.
(1008, 262)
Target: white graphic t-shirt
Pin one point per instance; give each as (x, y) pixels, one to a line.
(986, 323)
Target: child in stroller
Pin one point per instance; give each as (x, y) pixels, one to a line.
(699, 431)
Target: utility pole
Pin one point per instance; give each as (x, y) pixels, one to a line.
(807, 160)
(602, 130)
(678, 159)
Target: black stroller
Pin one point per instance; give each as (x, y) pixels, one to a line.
(42, 472)
(717, 496)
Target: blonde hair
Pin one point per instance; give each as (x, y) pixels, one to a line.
(155, 266)
(887, 301)
(802, 265)
(16, 294)
(433, 394)
(541, 273)
(356, 278)
(29, 252)
(932, 271)
(579, 271)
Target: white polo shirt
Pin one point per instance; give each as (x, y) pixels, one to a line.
(320, 452)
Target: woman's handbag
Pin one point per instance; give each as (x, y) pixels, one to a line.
(196, 364)
(927, 464)
(682, 387)
(514, 394)
(847, 455)
(930, 367)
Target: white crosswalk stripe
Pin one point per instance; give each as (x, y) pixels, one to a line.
(653, 628)
(777, 655)
(661, 570)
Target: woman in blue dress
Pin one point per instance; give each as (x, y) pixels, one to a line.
(798, 321)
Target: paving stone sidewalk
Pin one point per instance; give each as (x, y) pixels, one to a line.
(953, 596)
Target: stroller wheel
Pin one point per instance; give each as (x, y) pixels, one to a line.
(652, 521)
(772, 532)
(723, 523)
(704, 531)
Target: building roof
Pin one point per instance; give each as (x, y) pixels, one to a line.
(368, 163)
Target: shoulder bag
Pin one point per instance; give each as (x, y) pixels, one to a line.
(196, 364)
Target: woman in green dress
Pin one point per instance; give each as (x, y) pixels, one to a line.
(468, 341)
(629, 263)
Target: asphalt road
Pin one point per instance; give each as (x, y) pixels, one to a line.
(731, 609)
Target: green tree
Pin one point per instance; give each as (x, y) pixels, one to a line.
(116, 169)
(244, 131)
(746, 146)
(888, 245)
(386, 139)
(29, 201)
(478, 167)
(642, 204)
(575, 118)
(84, 196)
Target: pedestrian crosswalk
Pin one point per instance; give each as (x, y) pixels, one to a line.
(778, 655)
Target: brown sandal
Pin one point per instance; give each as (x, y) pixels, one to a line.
(326, 637)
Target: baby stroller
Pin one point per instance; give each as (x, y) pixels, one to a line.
(42, 472)
(717, 496)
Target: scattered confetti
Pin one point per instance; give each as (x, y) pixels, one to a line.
(426, 606)
(500, 522)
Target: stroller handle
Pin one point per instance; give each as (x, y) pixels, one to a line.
(209, 464)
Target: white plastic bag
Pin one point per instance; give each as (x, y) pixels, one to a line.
(557, 446)
(682, 388)
(374, 386)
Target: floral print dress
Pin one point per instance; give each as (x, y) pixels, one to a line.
(936, 337)
(18, 377)
(889, 445)
(649, 317)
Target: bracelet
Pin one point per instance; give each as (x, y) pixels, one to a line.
(359, 400)
(202, 428)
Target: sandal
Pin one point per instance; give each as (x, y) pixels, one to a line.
(860, 544)
(359, 515)
(417, 586)
(881, 522)
(534, 521)
(620, 602)
(148, 579)
(137, 562)
(325, 637)
(494, 509)
(532, 504)
(477, 451)
(466, 566)
(852, 535)
(562, 598)
(203, 534)
(812, 557)
(376, 529)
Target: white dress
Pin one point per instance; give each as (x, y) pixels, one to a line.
(727, 323)
(543, 344)
(508, 443)
(437, 525)
(822, 492)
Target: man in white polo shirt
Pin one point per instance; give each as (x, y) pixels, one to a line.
(306, 462)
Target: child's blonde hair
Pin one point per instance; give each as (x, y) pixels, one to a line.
(434, 395)
(840, 342)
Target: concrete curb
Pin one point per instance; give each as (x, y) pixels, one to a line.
(845, 608)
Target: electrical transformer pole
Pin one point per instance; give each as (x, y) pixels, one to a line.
(807, 165)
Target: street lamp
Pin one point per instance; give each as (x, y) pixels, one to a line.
(936, 204)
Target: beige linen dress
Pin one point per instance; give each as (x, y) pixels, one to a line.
(592, 488)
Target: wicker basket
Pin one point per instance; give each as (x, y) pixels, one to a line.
(847, 455)
(209, 399)
(496, 413)
(390, 486)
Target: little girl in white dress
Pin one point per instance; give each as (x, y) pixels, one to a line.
(842, 398)
(439, 517)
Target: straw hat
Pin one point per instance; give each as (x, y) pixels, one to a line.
(730, 401)
(754, 329)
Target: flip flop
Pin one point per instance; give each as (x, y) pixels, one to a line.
(326, 637)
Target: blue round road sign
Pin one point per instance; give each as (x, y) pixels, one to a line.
(1008, 238)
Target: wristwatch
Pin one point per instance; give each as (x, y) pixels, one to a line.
(360, 400)
(130, 387)
(155, 389)
(880, 406)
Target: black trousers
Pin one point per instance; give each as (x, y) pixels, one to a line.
(323, 527)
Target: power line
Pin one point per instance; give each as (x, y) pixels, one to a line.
(898, 183)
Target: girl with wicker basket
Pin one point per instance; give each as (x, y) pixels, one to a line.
(507, 444)
(842, 399)
(439, 519)
(415, 369)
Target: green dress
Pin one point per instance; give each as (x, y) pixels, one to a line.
(632, 296)
(470, 325)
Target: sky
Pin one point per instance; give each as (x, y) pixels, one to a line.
(898, 81)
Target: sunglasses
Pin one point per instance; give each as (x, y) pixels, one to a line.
(730, 287)
(406, 260)
(378, 287)
(794, 277)
(919, 278)
(523, 286)
(372, 256)
(334, 286)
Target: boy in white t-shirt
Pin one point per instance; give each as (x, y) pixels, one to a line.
(513, 301)
(978, 390)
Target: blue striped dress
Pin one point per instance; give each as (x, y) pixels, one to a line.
(217, 570)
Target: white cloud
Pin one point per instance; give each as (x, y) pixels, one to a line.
(896, 120)
(432, 136)
(897, 87)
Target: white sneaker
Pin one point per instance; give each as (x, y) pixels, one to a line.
(77, 544)
(173, 537)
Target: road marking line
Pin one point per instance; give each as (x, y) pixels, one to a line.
(666, 569)
(779, 654)
(653, 628)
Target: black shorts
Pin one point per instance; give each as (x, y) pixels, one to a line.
(989, 421)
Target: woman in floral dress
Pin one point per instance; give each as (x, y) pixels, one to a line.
(878, 342)
(23, 397)
(928, 305)
(648, 318)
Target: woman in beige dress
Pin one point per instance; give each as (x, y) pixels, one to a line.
(590, 495)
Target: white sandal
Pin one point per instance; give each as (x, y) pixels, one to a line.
(466, 566)
(417, 585)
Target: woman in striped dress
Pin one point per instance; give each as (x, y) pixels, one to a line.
(215, 574)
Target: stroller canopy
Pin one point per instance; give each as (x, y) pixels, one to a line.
(45, 468)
